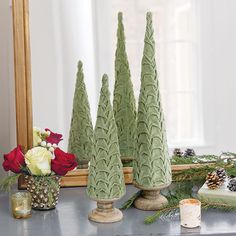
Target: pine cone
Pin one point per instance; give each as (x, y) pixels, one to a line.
(189, 152)
(232, 185)
(177, 152)
(221, 174)
(212, 180)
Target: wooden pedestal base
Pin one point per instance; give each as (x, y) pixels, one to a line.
(126, 159)
(105, 213)
(150, 200)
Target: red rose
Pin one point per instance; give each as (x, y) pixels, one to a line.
(14, 160)
(63, 162)
(53, 137)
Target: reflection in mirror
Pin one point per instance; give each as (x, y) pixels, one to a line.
(195, 51)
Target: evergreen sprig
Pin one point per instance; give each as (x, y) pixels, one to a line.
(217, 206)
(7, 182)
(130, 201)
(198, 159)
(172, 210)
(186, 180)
(167, 212)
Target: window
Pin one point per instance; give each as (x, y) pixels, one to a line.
(176, 34)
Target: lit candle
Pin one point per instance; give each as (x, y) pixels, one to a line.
(21, 211)
(21, 205)
(190, 213)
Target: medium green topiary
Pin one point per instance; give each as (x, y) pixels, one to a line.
(152, 167)
(81, 131)
(124, 101)
(106, 179)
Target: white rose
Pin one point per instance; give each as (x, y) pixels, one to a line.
(38, 160)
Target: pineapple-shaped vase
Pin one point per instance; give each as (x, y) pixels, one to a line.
(44, 191)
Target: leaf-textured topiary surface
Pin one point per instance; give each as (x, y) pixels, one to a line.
(106, 179)
(152, 167)
(81, 142)
(124, 101)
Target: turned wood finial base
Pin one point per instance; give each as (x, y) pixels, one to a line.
(105, 213)
(126, 159)
(150, 200)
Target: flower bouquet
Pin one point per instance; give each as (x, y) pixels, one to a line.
(43, 165)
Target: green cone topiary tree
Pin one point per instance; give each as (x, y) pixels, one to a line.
(106, 179)
(152, 167)
(124, 102)
(81, 130)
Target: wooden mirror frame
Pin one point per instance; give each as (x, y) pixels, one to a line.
(23, 96)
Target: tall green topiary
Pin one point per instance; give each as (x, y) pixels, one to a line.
(81, 131)
(152, 168)
(106, 179)
(124, 101)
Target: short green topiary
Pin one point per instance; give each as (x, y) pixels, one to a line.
(106, 179)
(124, 101)
(81, 131)
(152, 167)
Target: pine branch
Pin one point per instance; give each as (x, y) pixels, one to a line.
(218, 206)
(198, 159)
(200, 173)
(230, 154)
(7, 182)
(169, 211)
(172, 209)
(130, 201)
(192, 174)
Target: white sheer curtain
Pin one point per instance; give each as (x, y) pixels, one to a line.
(61, 34)
(177, 40)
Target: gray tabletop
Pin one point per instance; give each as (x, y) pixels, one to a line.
(70, 219)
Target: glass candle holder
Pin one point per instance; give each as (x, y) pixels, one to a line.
(190, 213)
(21, 205)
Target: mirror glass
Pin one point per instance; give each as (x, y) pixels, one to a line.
(195, 54)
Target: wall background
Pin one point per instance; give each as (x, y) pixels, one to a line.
(66, 36)
(7, 92)
(218, 64)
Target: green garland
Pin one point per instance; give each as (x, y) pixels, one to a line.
(198, 159)
(186, 180)
(181, 191)
(170, 211)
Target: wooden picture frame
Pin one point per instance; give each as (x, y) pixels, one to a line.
(23, 96)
